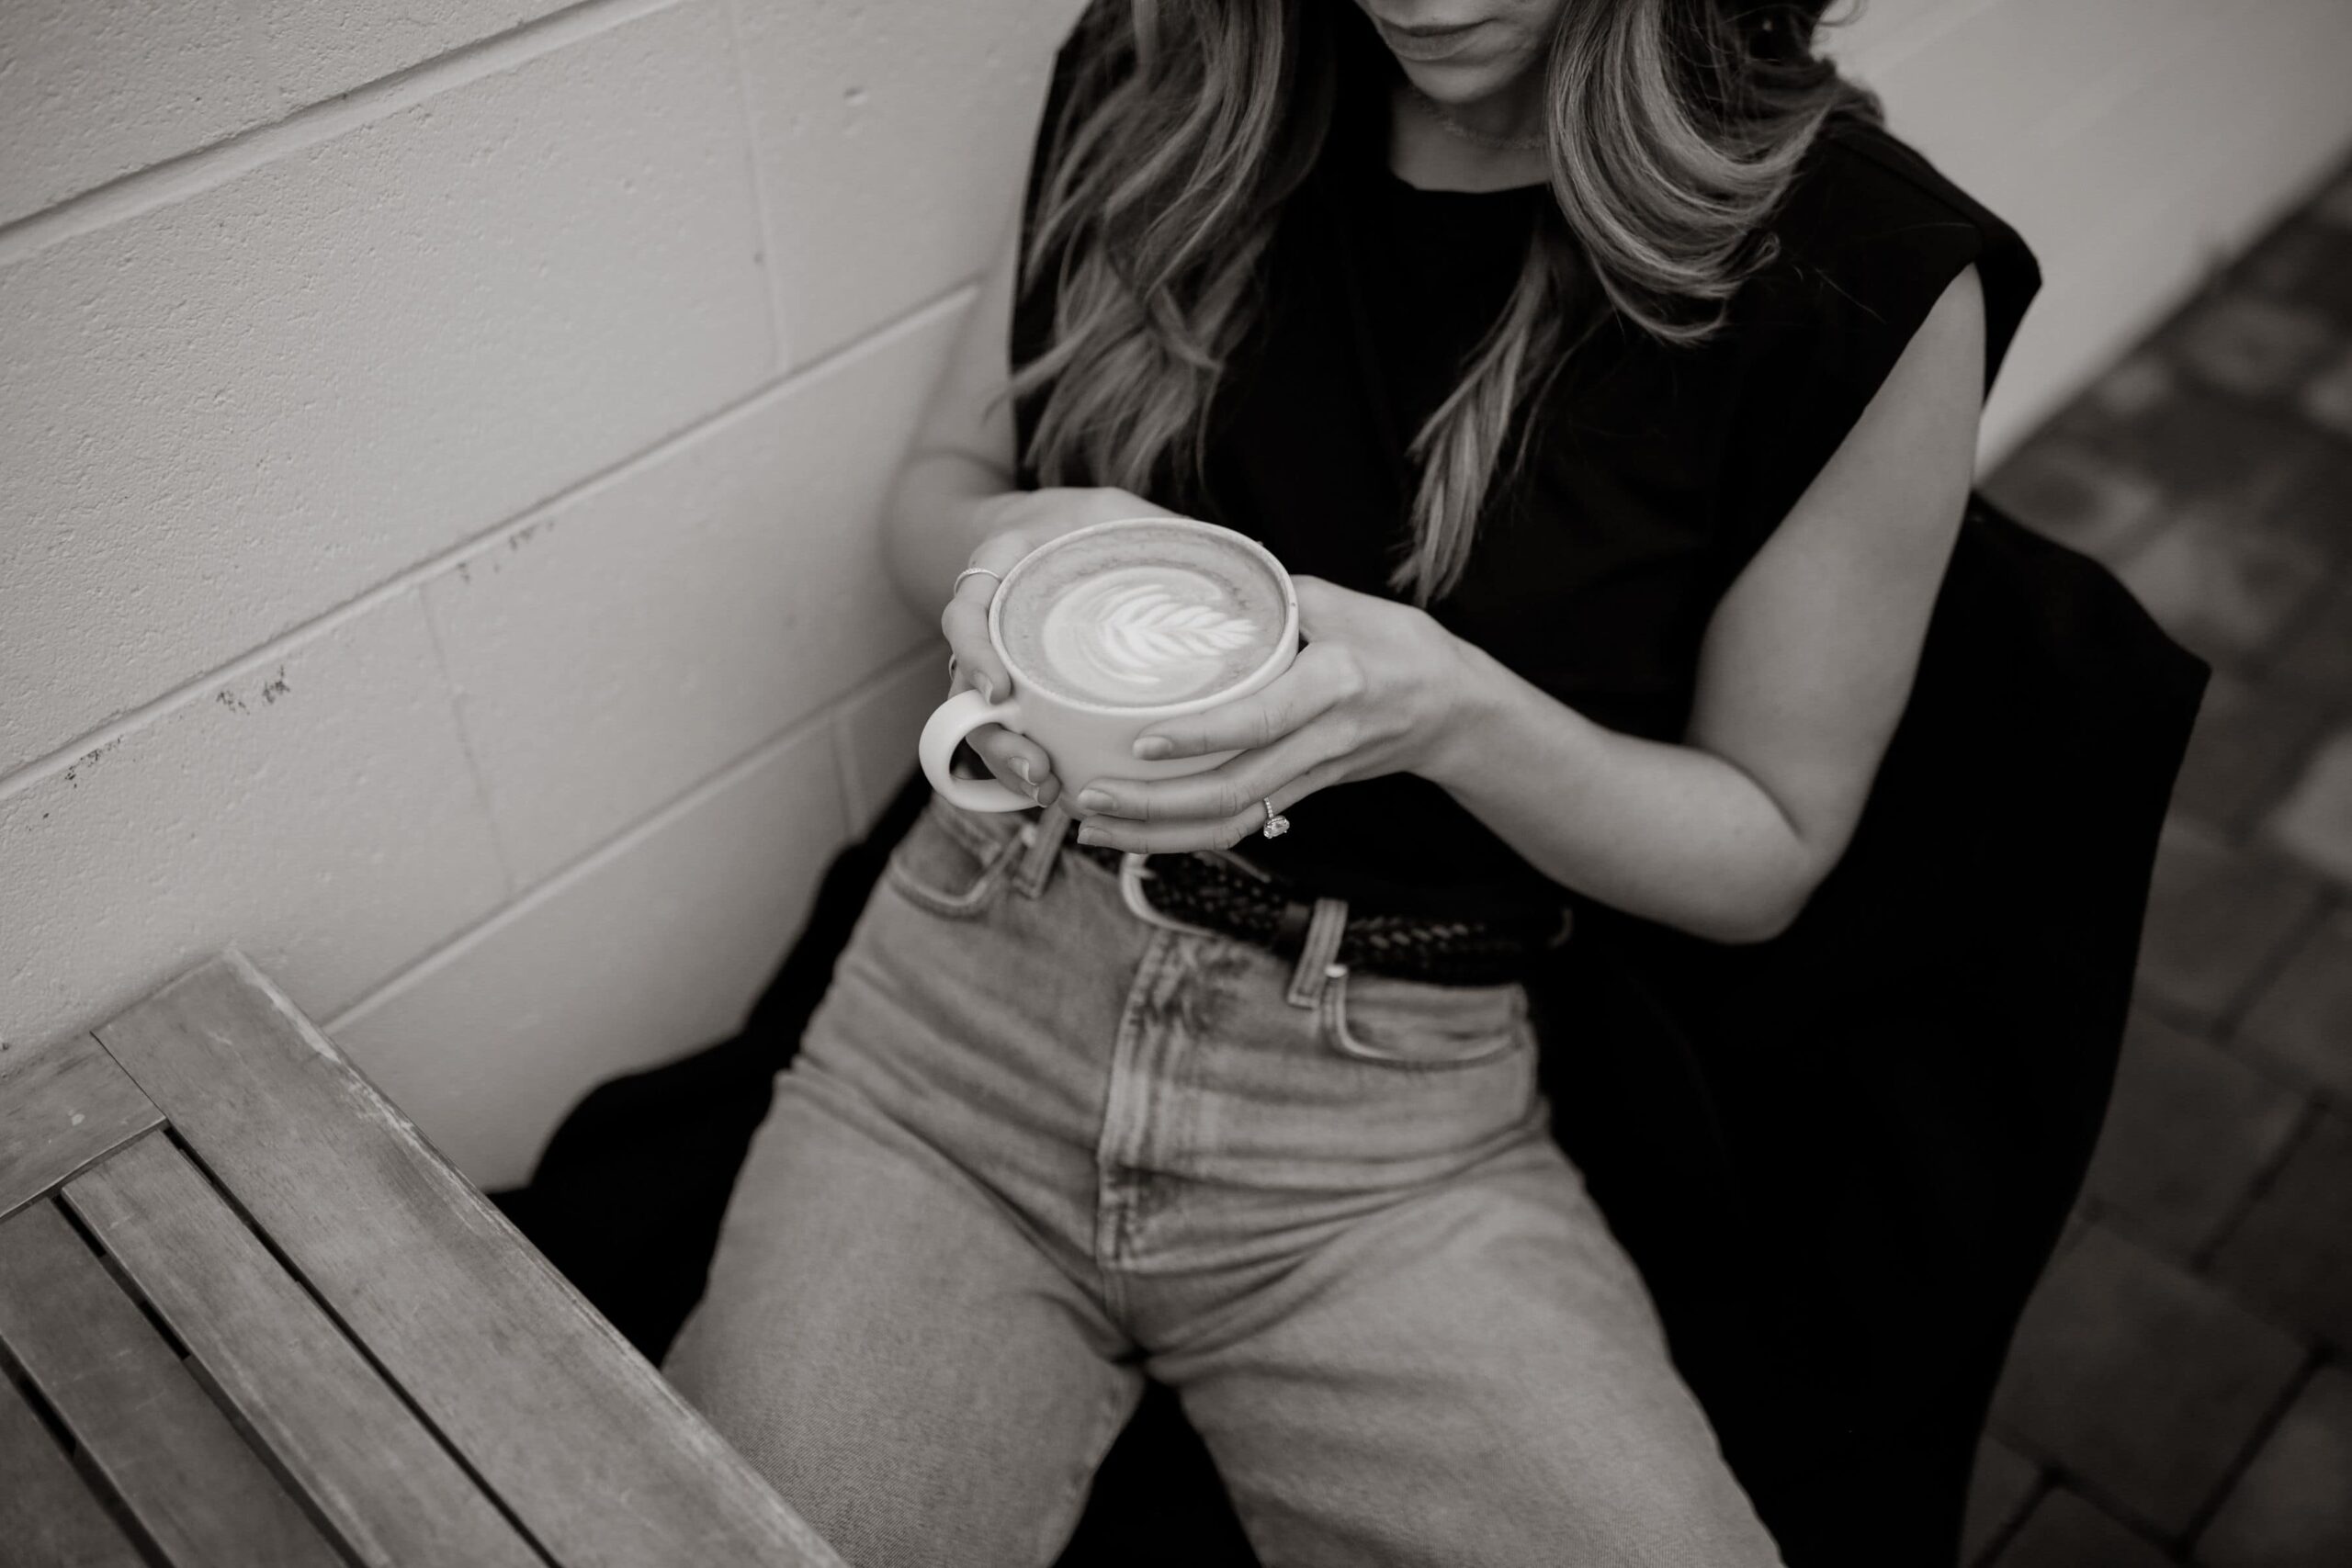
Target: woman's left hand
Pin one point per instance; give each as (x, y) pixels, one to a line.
(1379, 688)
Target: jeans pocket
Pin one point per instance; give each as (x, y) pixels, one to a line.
(1414, 1026)
(952, 863)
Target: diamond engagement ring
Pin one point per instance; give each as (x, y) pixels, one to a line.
(1276, 823)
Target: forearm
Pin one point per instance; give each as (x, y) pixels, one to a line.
(1672, 833)
(934, 519)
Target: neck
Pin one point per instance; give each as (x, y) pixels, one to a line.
(1512, 112)
(1424, 150)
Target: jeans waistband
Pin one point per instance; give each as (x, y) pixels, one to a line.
(1218, 895)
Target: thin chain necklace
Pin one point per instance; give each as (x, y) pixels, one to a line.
(1476, 138)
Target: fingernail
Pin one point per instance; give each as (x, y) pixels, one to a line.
(1093, 800)
(1151, 748)
(1087, 835)
(1021, 766)
(986, 687)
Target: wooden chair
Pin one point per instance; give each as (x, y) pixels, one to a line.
(250, 1318)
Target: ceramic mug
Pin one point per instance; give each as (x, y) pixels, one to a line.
(1087, 740)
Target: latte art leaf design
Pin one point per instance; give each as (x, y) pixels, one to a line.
(1140, 633)
(1146, 631)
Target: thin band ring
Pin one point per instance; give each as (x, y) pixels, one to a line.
(1276, 823)
(971, 572)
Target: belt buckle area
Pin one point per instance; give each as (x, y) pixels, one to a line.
(1132, 871)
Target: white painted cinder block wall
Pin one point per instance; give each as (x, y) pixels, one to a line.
(441, 452)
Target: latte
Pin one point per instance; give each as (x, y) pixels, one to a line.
(1142, 616)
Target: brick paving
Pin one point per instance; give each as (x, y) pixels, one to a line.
(2180, 1391)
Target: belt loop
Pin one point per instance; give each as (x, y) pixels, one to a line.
(1324, 930)
(1132, 871)
(1045, 836)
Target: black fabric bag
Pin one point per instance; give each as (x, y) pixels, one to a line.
(1841, 1159)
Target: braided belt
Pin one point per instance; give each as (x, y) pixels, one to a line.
(1201, 890)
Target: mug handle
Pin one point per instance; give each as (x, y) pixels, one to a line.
(945, 730)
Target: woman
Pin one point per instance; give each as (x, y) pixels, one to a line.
(1611, 383)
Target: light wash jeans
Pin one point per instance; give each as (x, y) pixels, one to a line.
(1034, 1147)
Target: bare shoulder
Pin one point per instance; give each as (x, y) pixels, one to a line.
(1906, 467)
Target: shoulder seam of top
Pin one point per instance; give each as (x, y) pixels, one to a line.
(1878, 146)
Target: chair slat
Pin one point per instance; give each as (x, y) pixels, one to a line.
(62, 1106)
(177, 1464)
(582, 1440)
(379, 1479)
(47, 1518)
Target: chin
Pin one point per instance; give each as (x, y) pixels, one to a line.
(1465, 82)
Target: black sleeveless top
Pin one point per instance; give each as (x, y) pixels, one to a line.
(1653, 473)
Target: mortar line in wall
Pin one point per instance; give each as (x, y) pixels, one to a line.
(456, 699)
(769, 272)
(837, 743)
(817, 723)
(827, 717)
(846, 772)
(189, 174)
(56, 761)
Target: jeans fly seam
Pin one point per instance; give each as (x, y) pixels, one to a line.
(1125, 1120)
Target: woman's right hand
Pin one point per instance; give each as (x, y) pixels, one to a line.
(1012, 524)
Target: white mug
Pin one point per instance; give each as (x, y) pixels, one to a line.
(1086, 741)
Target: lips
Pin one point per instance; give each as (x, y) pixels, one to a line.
(1427, 42)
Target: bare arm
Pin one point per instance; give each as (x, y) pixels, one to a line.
(954, 504)
(962, 450)
(1807, 667)
(1805, 671)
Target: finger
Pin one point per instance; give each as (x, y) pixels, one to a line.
(1017, 761)
(1000, 550)
(1232, 788)
(1321, 676)
(1158, 838)
(1322, 606)
(964, 623)
(1221, 833)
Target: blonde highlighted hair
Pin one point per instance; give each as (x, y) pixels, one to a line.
(1672, 128)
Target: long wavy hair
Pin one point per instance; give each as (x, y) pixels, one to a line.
(1672, 128)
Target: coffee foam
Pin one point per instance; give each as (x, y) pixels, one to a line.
(1142, 618)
